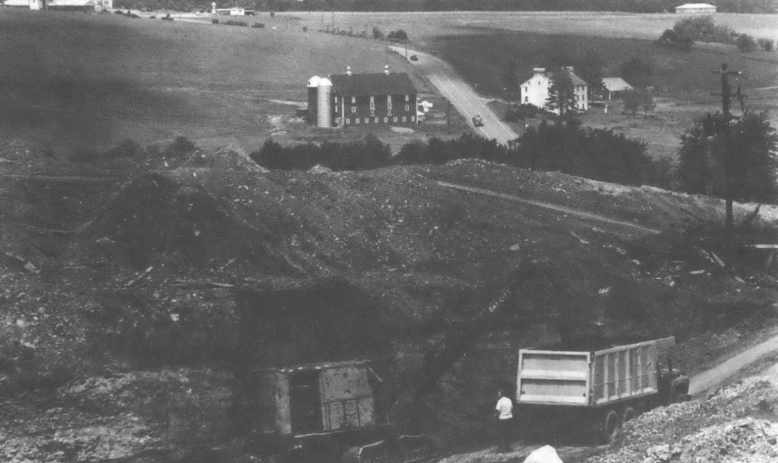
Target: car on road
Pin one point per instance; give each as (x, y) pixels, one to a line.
(478, 121)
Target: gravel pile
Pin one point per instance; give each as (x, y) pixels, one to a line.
(732, 424)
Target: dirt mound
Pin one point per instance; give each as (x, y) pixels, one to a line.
(735, 423)
(157, 218)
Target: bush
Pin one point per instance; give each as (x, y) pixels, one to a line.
(703, 29)
(180, 147)
(397, 36)
(766, 44)
(167, 18)
(152, 17)
(235, 23)
(378, 33)
(673, 39)
(214, 21)
(745, 43)
(522, 112)
(258, 26)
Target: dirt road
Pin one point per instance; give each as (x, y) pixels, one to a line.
(459, 93)
(715, 376)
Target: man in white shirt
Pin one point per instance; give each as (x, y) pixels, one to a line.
(504, 414)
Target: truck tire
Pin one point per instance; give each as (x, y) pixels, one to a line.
(628, 414)
(611, 426)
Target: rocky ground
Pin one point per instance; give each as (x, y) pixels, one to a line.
(138, 286)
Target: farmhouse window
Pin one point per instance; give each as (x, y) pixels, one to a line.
(403, 118)
(356, 120)
(407, 107)
(413, 118)
(386, 119)
(394, 119)
(376, 120)
(336, 99)
(407, 98)
(372, 103)
(348, 121)
(389, 102)
(526, 99)
(367, 120)
(353, 100)
(353, 109)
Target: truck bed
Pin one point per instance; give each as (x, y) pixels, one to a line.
(588, 379)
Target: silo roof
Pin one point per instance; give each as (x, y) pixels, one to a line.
(373, 84)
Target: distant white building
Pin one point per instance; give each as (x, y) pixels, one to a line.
(72, 5)
(696, 8)
(615, 87)
(535, 90)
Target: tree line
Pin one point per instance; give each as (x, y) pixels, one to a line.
(564, 146)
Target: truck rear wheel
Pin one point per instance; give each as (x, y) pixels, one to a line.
(628, 413)
(611, 426)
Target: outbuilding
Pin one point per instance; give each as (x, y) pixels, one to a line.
(349, 99)
(615, 87)
(696, 8)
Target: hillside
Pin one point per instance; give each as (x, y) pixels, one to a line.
(226, 251)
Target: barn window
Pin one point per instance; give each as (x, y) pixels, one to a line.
(353, 109)
(376, 120)
(394, 119)
(386, 119)
(407, 98)
(403, 118)
(407, 107)
(413, 118)
(353, 100)
(367, 120)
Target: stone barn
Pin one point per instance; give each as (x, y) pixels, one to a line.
(348, 100)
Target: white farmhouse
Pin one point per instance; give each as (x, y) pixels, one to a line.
(695, 8)
(535, 90)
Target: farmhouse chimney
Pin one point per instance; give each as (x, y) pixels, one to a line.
(386, 69)
(348, 70)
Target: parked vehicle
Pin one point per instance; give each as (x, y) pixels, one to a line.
(478, 121)
(598, 390)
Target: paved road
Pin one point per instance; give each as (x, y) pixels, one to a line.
(464, 99)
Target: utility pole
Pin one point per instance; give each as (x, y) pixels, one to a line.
(726, 93)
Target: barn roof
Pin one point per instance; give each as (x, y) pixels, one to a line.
(17, 3)
(615, 84)
(397, 83)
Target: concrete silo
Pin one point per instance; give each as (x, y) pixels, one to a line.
(313, 88)
(323, 107)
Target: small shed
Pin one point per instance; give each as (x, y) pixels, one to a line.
(313, 398)
(615, 87)
(696, 8)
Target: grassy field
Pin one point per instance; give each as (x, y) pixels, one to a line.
(71, 80)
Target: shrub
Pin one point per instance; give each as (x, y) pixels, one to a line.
(167, 18)
(152, 17)
(180, 147)
(745, 43)
(235, 23)
(522, 112)
(214, 21)
(272, 14)
(704, 29)
(397, 36)
(766, 44)
(378, 33)
(258, 26)
(673, 39)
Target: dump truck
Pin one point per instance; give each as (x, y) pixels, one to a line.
(598, 390)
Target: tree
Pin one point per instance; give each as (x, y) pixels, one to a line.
(561, 93)
(509, 77)
(745, 43)
(589, 68)
(637, 71)
(753, 142)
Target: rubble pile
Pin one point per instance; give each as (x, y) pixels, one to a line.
(735, 423)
